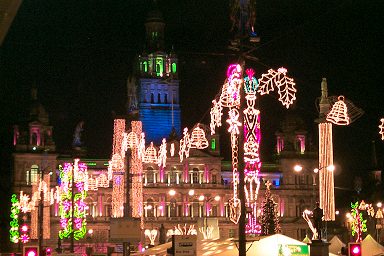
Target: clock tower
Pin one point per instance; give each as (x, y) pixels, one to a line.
(158, 85)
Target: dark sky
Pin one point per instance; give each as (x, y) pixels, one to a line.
(79, 54)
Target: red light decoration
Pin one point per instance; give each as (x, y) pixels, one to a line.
(354, 249)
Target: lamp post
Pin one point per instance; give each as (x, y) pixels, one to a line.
(379, 220)
(206, 200)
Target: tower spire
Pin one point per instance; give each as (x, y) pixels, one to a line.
(324, 104)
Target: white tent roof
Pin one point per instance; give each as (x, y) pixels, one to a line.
(266, 246)
(370, 247)
(335, 245)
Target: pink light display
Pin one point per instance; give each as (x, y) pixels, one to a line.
(74, 178)
(230, 98)
(252, 136)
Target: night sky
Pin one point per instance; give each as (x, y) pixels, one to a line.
(79, 54)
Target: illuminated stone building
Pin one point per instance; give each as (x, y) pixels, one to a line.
(191, 193)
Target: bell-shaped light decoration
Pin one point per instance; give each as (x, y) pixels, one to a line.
(198, 139)
(117, 163)
(132, 140)
(338, 114)
(150, 154)
(92, 184)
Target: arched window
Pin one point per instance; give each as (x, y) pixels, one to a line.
(32, 175)
(34, 139)
(195, 176)
(149, 208)
(152, 98)
(172, 208)
(194, 210)
(158, 98)
(145, 66)
(149, 173)
(166, 98)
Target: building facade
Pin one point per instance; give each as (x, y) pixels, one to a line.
(189, 194)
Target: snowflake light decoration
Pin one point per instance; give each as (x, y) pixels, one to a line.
(233, 121)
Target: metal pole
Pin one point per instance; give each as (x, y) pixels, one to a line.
(40, 215)
(72, 249)
(242, 220)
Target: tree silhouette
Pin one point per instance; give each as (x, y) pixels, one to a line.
(270, 223)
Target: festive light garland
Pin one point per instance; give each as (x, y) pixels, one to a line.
(121, 141)
(73, 192)
(136, 171)
(359, 225)
(381, 127)
(326, 177)
(14, 233)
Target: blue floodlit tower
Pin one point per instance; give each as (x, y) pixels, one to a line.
(157, 103)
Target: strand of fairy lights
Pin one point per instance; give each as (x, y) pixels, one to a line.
(117, 167)
(137, 173)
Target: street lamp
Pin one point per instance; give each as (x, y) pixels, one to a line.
(207, 231)
(379, 220)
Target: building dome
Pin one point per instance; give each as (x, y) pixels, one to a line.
(37, 111)
(155, 16)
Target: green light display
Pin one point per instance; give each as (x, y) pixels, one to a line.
(174, 68)
(159, 66)
(14, 234)
(213, 144)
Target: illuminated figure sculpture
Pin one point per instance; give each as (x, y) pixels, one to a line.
(230, 98)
